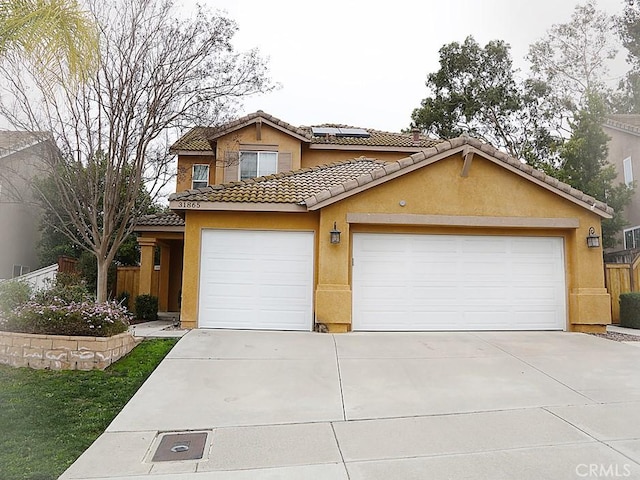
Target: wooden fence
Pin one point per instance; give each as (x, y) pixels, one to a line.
(621, 278)
(128, 280)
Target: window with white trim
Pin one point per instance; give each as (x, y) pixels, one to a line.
(628, 170)
(200, 176)
(257, 164)
(19, 270)
(632, 237)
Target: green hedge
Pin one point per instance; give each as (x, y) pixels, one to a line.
(146, 307)
(630, 310)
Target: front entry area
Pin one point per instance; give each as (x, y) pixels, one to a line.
(256, 279)
(411, 282)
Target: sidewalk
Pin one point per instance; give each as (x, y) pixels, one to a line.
(157, 329)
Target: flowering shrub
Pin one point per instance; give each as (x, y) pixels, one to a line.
(58, 317)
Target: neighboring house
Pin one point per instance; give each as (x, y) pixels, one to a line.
(21, 157)
(624, 154)
(371, 231)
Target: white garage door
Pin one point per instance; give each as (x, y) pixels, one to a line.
(454, 282)
(252, 279)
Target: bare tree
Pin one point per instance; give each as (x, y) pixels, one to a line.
(573, 57)
(158, 72)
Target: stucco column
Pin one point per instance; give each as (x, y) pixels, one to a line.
(333, 293)
(147, 253)
(589, 301)
(163, 287)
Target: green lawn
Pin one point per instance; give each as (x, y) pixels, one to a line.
(47, 419)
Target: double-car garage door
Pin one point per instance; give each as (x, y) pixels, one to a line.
(251, 279)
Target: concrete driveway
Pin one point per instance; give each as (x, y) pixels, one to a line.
(284, 405)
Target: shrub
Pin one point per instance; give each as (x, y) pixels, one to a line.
(123, 299)
(13, 293)
(146, 307)
(67, 288)
(630, 310)
(58, 317)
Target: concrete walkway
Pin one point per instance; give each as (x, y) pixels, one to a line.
(284, 405)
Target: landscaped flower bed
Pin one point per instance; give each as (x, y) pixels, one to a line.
(62, 328)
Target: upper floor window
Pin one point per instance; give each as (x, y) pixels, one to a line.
(200, 177)
(628, 170)
(19, 270)
(632, 237)
(257, 164)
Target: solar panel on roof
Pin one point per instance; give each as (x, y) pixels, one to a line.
(353, 132)
(322, 131)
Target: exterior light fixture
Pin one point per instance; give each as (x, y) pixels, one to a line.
(335, 234)
(593, 240)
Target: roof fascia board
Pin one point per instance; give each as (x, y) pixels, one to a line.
(461, 221)
(159, 228)
(179, 205)
(622, 129)
(208, 153)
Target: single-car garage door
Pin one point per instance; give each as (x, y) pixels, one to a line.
(254, 279)
(456, 282)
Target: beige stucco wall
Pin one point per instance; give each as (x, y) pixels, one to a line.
(184, 173)
(314, 157)
(19, 218)
(269, 136)
(623, 145)
(489, 190)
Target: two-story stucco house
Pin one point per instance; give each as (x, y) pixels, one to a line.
(280, 227)
(21, 157)
(624, 154)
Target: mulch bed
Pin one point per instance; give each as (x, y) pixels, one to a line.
(618, 337)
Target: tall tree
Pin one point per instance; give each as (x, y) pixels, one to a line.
(158, 71)
(50, 34)
(584, 165)
(476, 91)
(572, 58)
(627, 99)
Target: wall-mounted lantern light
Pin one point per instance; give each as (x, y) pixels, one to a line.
(593, 240)
(335, 234)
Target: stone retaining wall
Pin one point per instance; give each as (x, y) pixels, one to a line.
(59, 352)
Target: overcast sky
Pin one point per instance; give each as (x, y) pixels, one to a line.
(364, 63)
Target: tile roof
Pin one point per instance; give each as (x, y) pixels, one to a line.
(14, 141)
(378, 138)
(166, 219)
(287, 187)
(627, 122)
(311, 186)
(197, 139)
(194, 140)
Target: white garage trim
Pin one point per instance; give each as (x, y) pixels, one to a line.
(416, 282)
(256, 279)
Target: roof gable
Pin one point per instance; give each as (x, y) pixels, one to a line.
(315, 188)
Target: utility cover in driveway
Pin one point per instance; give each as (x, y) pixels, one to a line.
(180, 446)
(256, 279)
(456, 282)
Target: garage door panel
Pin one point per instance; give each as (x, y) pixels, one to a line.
(253, 279)
(403, 282)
